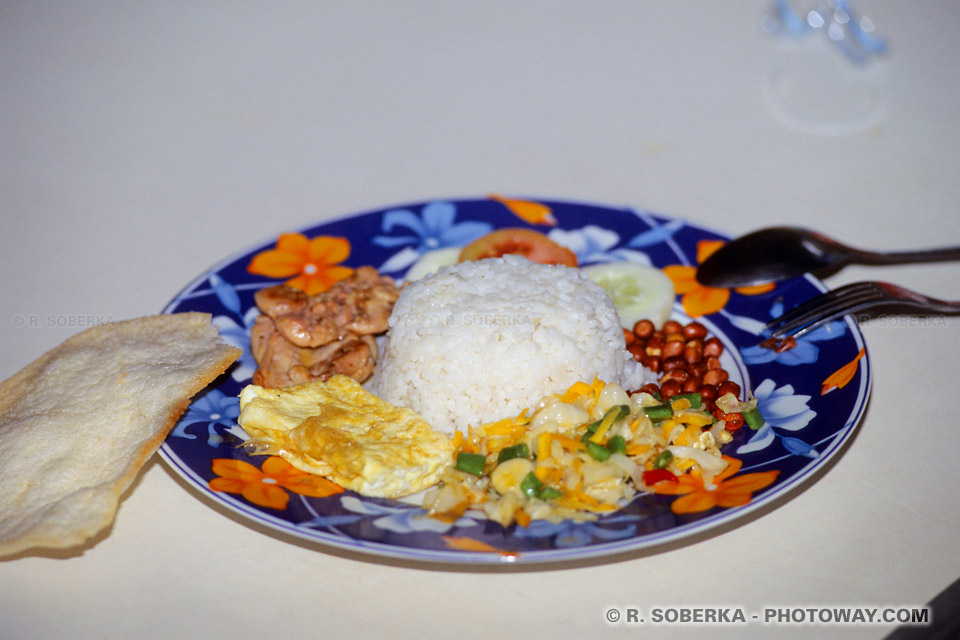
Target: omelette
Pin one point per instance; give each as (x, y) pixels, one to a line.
(339, 430)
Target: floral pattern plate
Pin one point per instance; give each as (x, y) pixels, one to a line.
(811, 396)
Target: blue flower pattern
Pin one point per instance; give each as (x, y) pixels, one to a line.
(656, 234)
(214, 409)
(433, 229)
(785, 410)
(235, 333)
(570, 533)
(403, 518)
(596, 244)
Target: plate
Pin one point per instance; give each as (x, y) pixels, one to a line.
(811, 396)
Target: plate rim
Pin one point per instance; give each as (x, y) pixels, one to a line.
(677, 534)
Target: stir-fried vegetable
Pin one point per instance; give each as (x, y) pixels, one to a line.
(585, 452)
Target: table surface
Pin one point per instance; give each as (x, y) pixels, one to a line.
(142, 142)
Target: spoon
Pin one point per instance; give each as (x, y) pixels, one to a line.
(781, 253)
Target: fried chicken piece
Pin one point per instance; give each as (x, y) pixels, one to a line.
(280, 300)
(282, 363)
(360, 304)
(302, 338)
(354, 357)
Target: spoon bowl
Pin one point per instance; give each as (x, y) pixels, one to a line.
(780, 253)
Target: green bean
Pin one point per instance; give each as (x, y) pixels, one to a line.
(472, 463)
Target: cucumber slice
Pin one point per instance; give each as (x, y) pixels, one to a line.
(431, 261)
(637, 291)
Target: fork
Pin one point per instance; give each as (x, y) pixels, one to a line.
(849, 299)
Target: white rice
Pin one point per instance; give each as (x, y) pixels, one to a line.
(481, 341)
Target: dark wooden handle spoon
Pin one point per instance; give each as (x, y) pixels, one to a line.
(781, 253)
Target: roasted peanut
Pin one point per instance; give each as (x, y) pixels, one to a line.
(687, 358)
(728, 386)
(674, 362)
(692, 353)
(672, 326)
(678, 375)
(698, 369)
(712, 347)
(715, 376)
(708, 392)
(651, 388)
(694, 330)
(670, 388)
(654, 345)
(672, 348)
(643, 329)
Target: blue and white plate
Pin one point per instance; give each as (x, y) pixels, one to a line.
(812, 397)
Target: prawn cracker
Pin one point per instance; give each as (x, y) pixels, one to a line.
(77, 424)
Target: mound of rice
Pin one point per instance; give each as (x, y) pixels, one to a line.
(481, 341)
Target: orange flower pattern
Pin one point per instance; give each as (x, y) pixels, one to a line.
(313, 265)
(527, 210)
(267, 486)
(839, 378)
(724, 492)
(697, 299)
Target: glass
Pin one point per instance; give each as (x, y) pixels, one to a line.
(828, 75)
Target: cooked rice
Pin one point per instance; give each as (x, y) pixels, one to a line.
(481, 341)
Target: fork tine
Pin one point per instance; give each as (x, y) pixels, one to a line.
(826, 298)
(823, 308)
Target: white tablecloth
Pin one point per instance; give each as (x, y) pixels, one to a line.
(142, 142)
